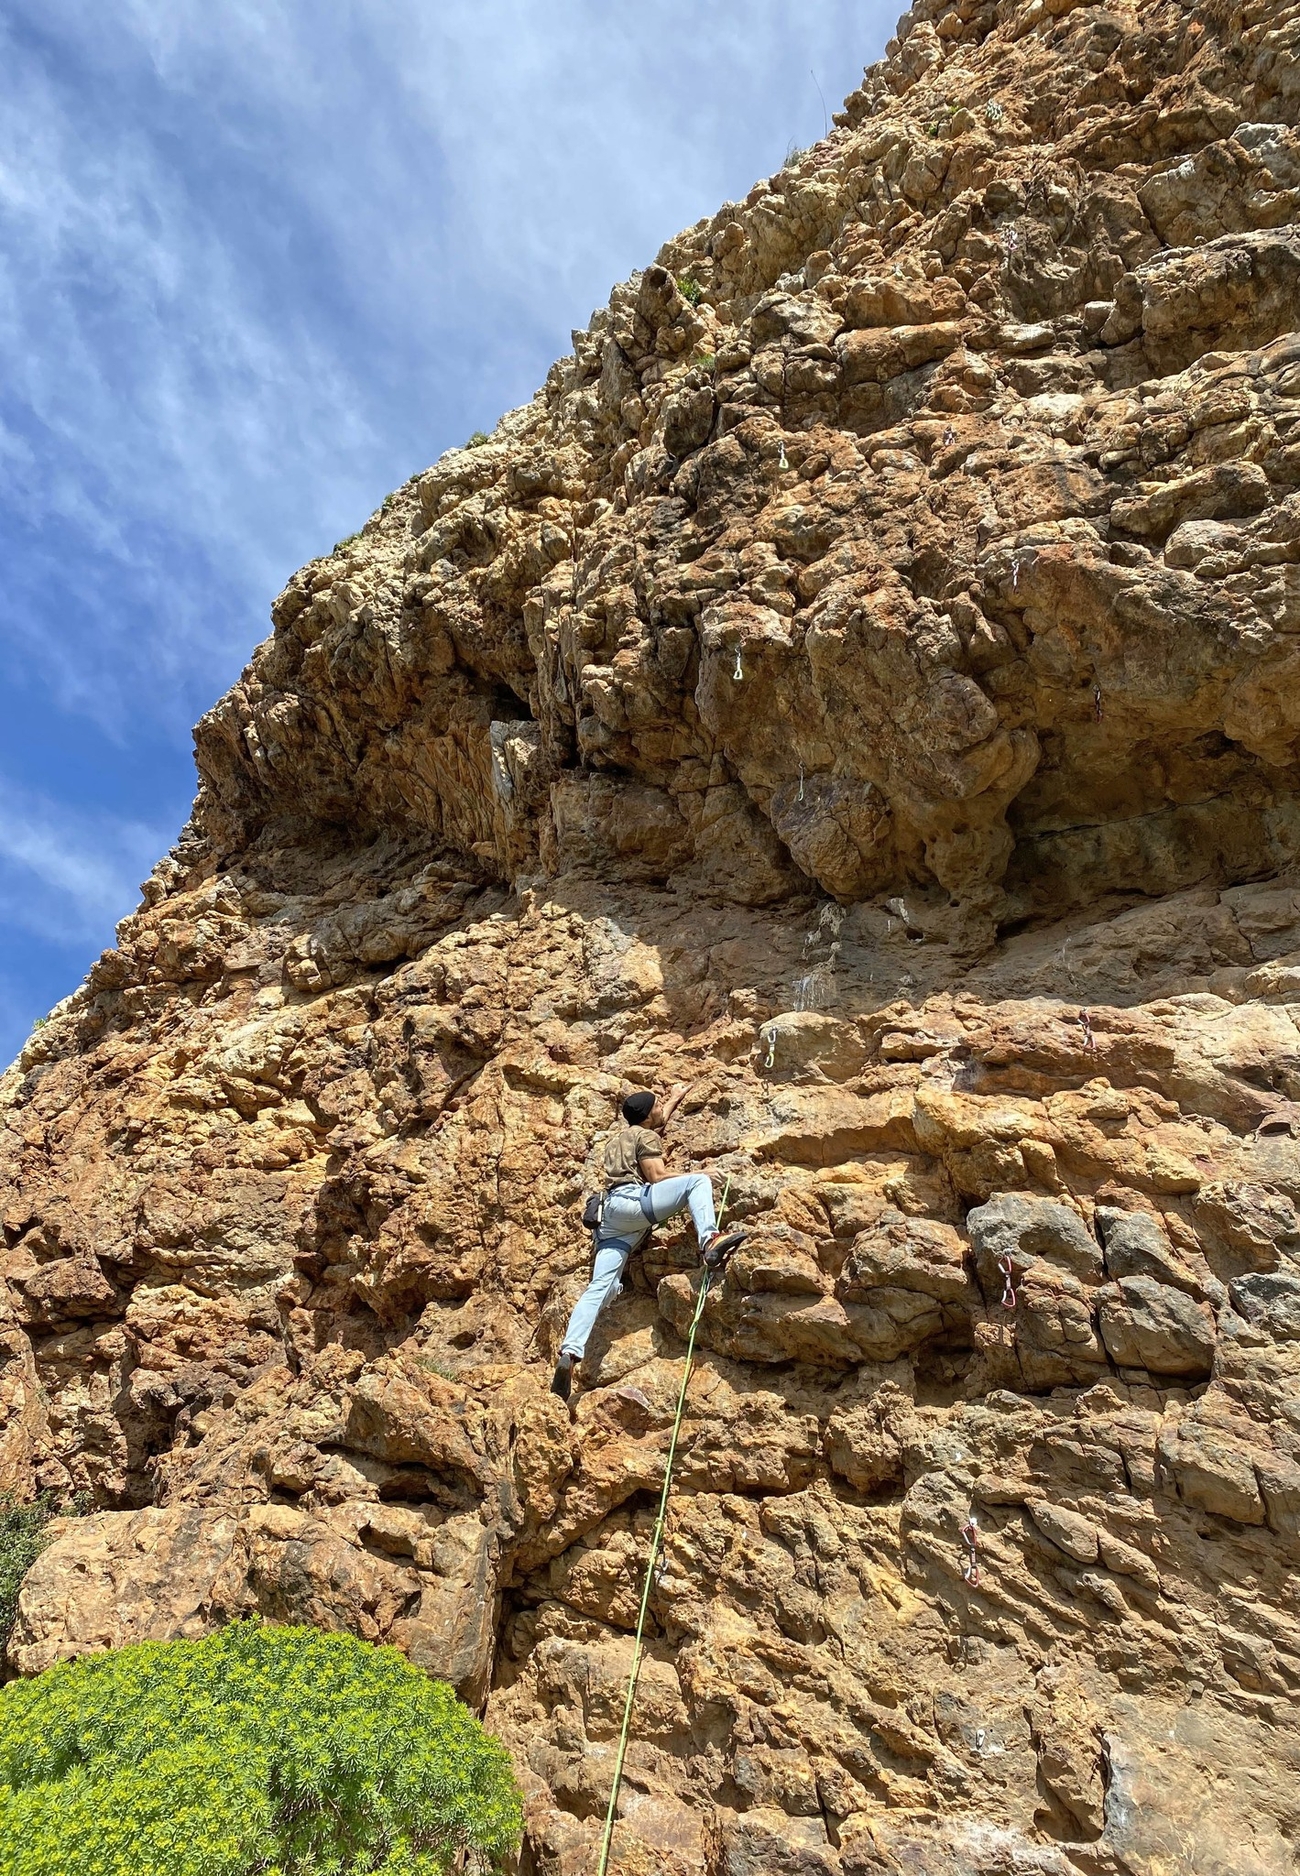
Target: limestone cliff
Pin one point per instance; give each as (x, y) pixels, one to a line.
(865, 680)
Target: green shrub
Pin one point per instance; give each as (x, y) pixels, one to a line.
(22, 1539)
(257, 1751)
(346, 541)
(690, 289)
(478, 439)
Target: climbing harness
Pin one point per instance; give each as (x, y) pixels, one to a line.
(656, 1544)
(970, 1567)
(1008, 1283)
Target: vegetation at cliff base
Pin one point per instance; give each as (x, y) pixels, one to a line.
(22, 1539)
(256, 1751)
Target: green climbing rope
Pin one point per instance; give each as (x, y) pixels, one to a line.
(655, 1543)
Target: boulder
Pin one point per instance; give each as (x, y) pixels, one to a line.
(1136, 1245)
(1269, 1300)
(1146, 1324)
(1056, 1340)
(1026, 1229)
(921, 1254)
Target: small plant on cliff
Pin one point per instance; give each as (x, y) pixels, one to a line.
(22, 1539)
(690, 289)
(478, 439)
(440, 1368)
(255, 1752)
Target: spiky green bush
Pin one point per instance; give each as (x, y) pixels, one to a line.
(257, 1751)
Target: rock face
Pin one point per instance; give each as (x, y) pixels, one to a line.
(865, 681)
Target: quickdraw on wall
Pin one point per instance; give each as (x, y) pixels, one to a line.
(1008, 1282)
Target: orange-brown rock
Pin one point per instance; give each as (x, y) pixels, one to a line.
(863, 682)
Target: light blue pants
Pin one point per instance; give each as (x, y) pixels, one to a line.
(623, 1225)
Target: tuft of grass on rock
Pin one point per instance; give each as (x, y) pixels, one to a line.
(440, 1368)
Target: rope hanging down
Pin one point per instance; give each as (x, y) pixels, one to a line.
(655, 1544)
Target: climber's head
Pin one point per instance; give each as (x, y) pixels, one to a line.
(642, 1109)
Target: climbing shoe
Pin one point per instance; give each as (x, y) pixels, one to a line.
(715, 1251)
(562, 1379)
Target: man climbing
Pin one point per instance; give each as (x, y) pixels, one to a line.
(639, 1192)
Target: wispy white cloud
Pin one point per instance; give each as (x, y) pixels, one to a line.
(261, 261)
(148, 397)
(69, 875)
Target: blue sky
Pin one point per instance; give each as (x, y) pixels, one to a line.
(258, 263)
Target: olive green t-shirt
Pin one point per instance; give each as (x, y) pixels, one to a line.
(624, 1152)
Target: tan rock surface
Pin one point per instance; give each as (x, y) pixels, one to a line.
(863, 681)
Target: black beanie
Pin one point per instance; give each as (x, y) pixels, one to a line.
(637, 1108)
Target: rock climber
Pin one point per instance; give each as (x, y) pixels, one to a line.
(640, 1192)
